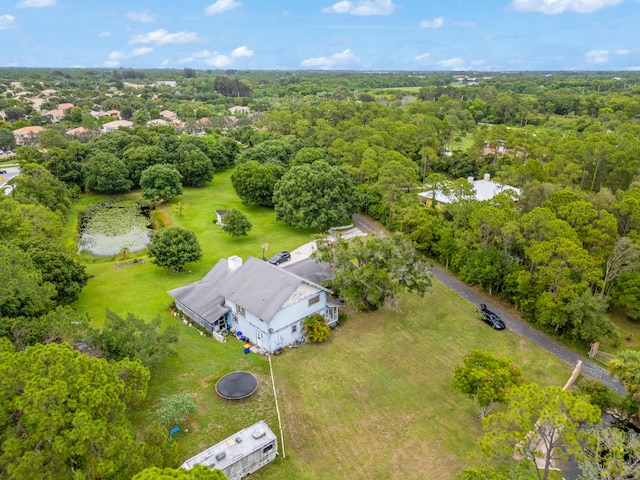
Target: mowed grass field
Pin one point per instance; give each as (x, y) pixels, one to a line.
(375, 401)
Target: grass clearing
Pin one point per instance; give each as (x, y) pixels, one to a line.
(376, 401)
(373, 402)
(629, 334)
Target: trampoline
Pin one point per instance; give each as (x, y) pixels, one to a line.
(237, 385)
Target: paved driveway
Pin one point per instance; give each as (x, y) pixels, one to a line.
(514, 324)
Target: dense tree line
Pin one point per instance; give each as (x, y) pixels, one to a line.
(563, 253)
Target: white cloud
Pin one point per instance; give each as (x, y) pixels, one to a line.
(634, 69)
(218, 61)
(242, 52)
(6, 21)
(162, 37)
(422, 57)
(36, 3)
(115, 57)
(465, 24)
(622, 52)
(164, 63)
(336, 60)
(221, 6)
(597, 56)
(144, 16)
(182, 61)
(104, 34)
(452, 63)
(203, 54)
(477, 63)
(362, 7)
(553, 7)
(136, 52)
(437, 22)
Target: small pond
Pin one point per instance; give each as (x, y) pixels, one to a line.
(110, 227)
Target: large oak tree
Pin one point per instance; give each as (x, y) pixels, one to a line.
(316, 197)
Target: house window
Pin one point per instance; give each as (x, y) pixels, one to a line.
(268, 448)
(234, 318)
(294, 328)
(314, 300)
(240, 310)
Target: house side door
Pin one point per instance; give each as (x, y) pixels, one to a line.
(258, 338)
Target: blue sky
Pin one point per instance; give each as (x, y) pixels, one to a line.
(479, 35)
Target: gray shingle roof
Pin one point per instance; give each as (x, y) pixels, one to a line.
(257, 286)
(202, 297)
(309, 269)
(260, 288)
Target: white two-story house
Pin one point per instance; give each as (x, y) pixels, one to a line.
(266, 303)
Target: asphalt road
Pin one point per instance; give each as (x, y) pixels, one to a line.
(5, 177)
(513, 323)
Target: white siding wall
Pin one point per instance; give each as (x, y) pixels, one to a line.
(278, 333)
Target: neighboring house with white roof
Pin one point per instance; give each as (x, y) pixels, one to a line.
(266, 303)
(116, 124)
(484, 189)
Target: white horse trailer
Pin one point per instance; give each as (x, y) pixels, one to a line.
(241, 454)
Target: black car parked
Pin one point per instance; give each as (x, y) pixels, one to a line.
(490, 318)
(280, 257)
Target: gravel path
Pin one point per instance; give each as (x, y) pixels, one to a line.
(514, 324)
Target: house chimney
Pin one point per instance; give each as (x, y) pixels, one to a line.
(487, 177)
(235, 262)
(470, 180)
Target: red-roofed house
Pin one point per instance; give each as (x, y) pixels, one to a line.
(54, 116)
(27, 135)
(169, 115)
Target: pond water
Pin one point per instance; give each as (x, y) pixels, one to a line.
(100, 244)
(110, 227)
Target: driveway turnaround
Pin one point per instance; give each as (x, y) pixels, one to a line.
(589, 368)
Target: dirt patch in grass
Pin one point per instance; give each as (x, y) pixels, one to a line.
(160, 218)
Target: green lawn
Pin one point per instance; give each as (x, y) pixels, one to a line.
(376, 401)
(629, 334)
(373, 402)
(145, 285)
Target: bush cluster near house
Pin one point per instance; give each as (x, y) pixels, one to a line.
(316, 329)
